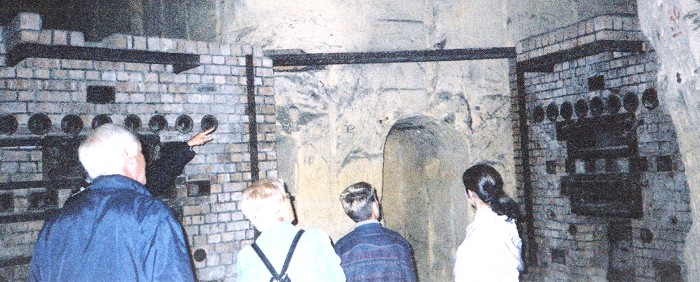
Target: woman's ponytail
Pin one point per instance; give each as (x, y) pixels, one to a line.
(486, 182)
(506, 206)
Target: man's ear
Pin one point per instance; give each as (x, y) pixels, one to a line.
(126, 154)
(129, 163)
(376, 212)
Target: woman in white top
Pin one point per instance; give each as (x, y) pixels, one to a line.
(491, 248)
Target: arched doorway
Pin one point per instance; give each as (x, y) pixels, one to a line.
(422, 197)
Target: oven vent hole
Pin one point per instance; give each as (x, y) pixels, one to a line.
(100, 120)
(42, 200)
(8, 124)
(132, 122)
(184, 124)
(567, 110)
(664, 163)
(630, 102)
(581, 108)
(72, 124)
(157, 123)
(667, 271)
(558, 256)
(39, 124)
(597, 106)
(6, 202)
(538, 114)
(650, 99)
(100, 94)
(596, 83)
(552, 111)
(208, 122)
(198, 188)
(614, 104)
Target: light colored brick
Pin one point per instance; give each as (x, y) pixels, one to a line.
(8, 73)
(45, 37)
(118, 41)
(28, 36)
(60, 37)
(168, 45)
(202, 47)
(25, 73)
(42, 73)
(77, 64)
(27, 21)
(8, 96)
(140, 43)
(76, 38)
(109, 76)
(92, 75)
(76, 74)
(153, 44)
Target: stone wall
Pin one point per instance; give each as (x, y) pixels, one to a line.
(672, 28)
(634, 227)
(225, 20)
(335, 122)
(532, 17)
(42, 96)
(339, 26)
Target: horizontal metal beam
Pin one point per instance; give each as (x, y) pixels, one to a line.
(21, 141)
(28, 216)
(63, 183)
(15, 261)
(546, 62)
(413, 56)
(180, 61)
(22, 185)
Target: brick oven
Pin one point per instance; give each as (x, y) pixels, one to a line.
(602, 179)
(55, 88)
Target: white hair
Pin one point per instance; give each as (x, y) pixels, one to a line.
(263, 203)
(105, 151)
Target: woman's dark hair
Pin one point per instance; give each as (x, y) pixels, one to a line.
(486, 182)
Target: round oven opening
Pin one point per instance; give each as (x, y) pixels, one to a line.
(132, 122)
(184, 124)
(72, 124)
(209, 122)
(39, 124)
(157, 123)
(100, 120)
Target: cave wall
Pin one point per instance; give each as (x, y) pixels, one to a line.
(672, 28)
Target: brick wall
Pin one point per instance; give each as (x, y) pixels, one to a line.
(206, 196)
(569, 243)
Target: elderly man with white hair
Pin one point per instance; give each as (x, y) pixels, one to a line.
(115, 230)
(281, 253)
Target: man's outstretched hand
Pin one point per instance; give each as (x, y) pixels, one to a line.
(201, 138)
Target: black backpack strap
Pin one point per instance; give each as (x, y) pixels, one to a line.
(291, 251)
(286, 260)
(264, 259)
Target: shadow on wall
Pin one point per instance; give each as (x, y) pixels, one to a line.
(423, 197)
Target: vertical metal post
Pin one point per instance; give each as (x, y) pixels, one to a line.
(252, 121)
(529, 250)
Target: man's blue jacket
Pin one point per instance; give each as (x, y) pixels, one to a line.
(113, 231)
(374, 253)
